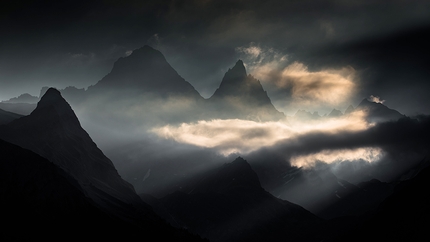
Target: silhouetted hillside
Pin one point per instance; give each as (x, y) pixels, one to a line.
(80, 186)
(7, 117)
(230, 205)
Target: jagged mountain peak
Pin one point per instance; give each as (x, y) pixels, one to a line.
(146, 53)
(142, 60)
(378, 112)
(51, 97)
(53, 131)
(54, 101)
(239, 164)
(366, 101)
(238, 69)
(236, 174)
(249, 99)
(235, 78)
(349, 109)
(239, 160)
(144, 70)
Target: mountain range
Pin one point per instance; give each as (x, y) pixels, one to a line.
(145, 83)
(53, 173)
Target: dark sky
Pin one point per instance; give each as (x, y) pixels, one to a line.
(63, 43)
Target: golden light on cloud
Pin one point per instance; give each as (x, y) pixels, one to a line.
(228, 136)
(244, 136)
(375, 99)
(328, 86)
(368, 154)
(307, 88)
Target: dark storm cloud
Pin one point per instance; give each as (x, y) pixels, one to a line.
(198, 37)
(404, 143)
(393, 67)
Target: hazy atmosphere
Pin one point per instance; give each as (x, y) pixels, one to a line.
(319, 98)
(370, 48)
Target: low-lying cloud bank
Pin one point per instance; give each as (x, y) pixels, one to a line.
(367, 154)
(244, 136)
(330, 141)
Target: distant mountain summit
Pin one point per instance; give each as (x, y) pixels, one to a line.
(235, 83)
(235, 175)
(377, 112)
(242, 96)
(349, 109)
(142, 89)
(303, 114)
(145, 70)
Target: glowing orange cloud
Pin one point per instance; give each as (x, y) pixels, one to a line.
(244, 136)
(330, 87)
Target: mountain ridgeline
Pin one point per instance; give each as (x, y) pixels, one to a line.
(145, 88)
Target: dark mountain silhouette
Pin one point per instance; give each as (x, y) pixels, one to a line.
(74, 96)
(53, 131)
(39, 195)
(7, 117)
(242, 96)
(403, 216)
(145, 70)
(80, 183)
(229, 204)
(141, 89)
(377, 112)
(324, 194)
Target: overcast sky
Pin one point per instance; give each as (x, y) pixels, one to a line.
(371, 47)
